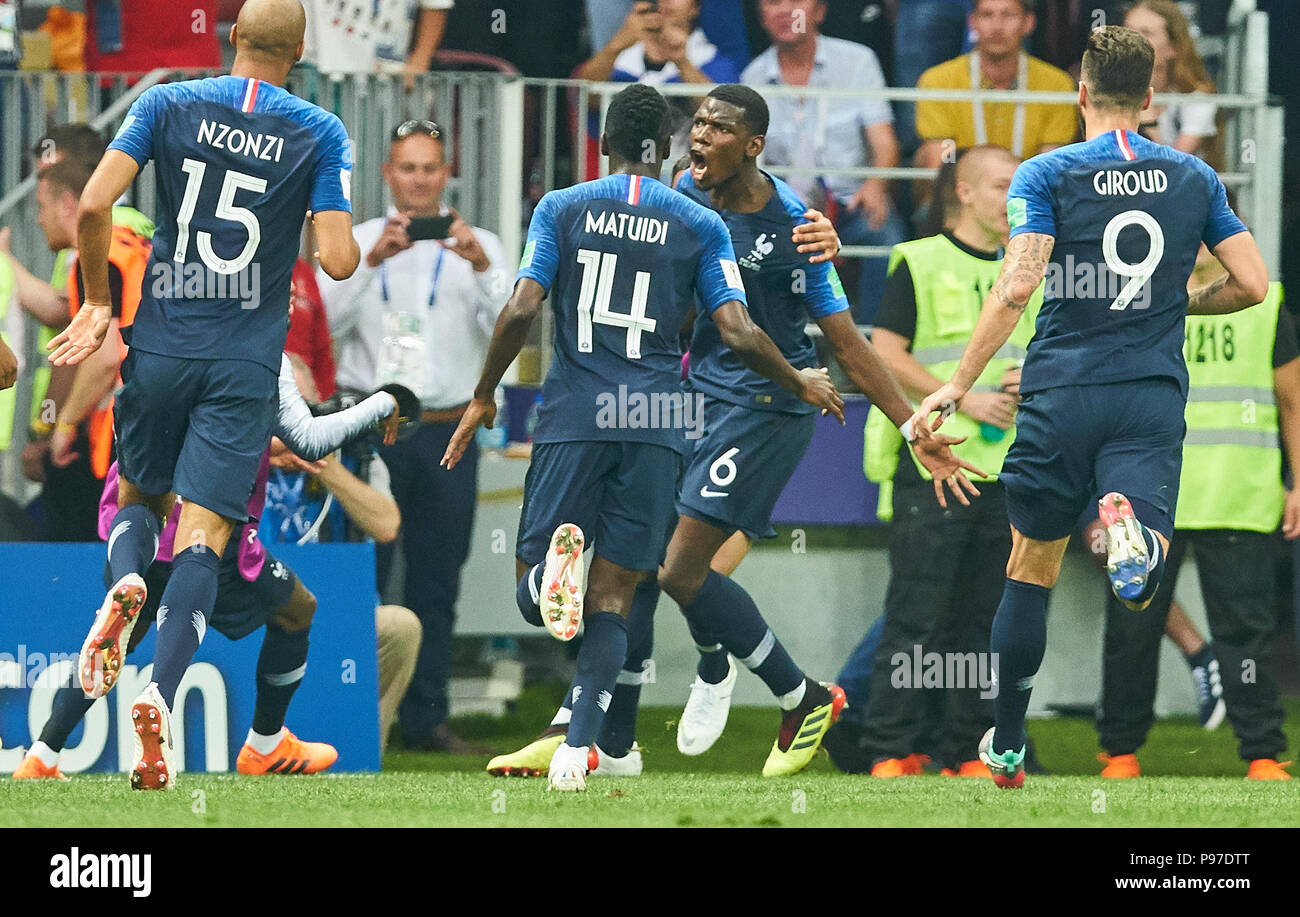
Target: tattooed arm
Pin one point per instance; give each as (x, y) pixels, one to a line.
(1245, 284)
(1022, 271)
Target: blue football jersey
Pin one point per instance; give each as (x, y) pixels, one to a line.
(784, 292)
(623, 258)
(238, 163)
(1128, 216)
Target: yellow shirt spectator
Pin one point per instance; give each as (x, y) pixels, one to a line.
(1043, 125)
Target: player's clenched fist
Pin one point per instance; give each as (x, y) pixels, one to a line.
(83, 336)
(820, 391)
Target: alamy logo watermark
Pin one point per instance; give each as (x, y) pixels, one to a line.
(626, 410)
(24, 669)
(947, 671)
(103, 870)
(198, 281)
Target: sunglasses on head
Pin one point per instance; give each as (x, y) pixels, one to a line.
(416, 126)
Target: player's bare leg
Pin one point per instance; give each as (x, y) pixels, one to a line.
(1018, 641)
(132, 546)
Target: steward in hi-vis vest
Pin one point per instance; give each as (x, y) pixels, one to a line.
(933, 297)
(1243, 402)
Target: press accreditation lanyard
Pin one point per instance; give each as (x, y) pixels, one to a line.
(433, 287)
(1018, 127)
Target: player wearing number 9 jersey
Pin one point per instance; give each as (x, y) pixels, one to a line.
(238, 163)
(1114, 223)
(624, 258)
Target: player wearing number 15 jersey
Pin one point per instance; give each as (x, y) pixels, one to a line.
(624, 259)
(238, 163)
(1114, 223)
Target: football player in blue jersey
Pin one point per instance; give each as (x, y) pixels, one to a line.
(239, 162)
(611, 430)
(754, 434)
(1114, 224)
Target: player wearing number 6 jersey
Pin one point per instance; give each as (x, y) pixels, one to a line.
(624, 259)
(1114, 223)
(238, 163)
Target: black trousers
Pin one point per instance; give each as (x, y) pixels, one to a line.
(70, 497)
(1237, 583)
(437, 520)
(947, 572)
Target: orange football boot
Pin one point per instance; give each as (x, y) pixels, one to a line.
(900, 767)
(1119, 766)
(32, 768)
(291, 756)
(975, 768)
(1268, 769)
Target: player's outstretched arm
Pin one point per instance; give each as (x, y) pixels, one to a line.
(88, 328)
(507, 339)
(756, 350)
(1022, 271)
(337, 250)
(1245, 285)
(313, 438)
(873, 377)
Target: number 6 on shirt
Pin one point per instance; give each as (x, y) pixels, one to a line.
(597, 285)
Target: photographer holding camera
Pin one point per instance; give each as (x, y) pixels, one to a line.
(420, 310)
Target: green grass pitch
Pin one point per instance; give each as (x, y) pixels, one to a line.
(1191, 778)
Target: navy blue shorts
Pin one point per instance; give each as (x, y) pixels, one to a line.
(198, 427)
(619, 493)
(739, 467)
(1076, 443)
(241, 607)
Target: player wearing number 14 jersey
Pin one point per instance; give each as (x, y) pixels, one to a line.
(1114, 223)
(238, 163)
(624, 258)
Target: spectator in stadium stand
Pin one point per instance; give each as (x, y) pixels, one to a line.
(662, 44)
(831, 133)
(932, 301)
(1186, 126)
(435, 303)
(309, 332)
(997, 61)
(362, 509)
(390, 36)
(72, 427)
(135, 36)
(722, 21)
(926, 32)
(1243, 404)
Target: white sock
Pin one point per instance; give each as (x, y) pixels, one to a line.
(795, 697)
(48, 756)
(562, 717)
(264, 745)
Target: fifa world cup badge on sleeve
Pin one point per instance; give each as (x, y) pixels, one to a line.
(1016, 214)
(527, 259)
(731, 271)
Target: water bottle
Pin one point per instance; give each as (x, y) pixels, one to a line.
(402, 352)
(497, 437)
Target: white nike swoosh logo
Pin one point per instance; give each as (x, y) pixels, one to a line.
(705, 492)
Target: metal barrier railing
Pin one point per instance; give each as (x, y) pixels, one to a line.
(503, 128)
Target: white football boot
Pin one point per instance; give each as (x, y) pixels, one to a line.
(105, 645)
(568, 770)
(608, 766)
(706, 712)
(151, 767)
(561, 593)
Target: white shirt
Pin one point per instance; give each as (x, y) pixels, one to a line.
(1193, 118)
(456, 328)
(360, 36)
(828, 132)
